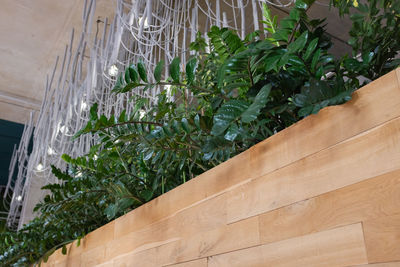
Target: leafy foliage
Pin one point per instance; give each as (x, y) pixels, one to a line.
(243, 92)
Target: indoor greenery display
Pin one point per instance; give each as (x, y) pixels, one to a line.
(227, 100)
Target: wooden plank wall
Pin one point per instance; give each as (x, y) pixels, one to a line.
(324, 192)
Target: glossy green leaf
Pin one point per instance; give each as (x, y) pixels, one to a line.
(299, 43)
(227, 114)
(127, 76)
(315, 59)
(310, 49)
(133, 74)
(191, 66)
(174, 69)
(64, 250)
(259, 102)
(142, 71)
(158, 71)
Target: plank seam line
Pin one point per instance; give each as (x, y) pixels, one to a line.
(365, 243)
(310, 198)
(263, 244)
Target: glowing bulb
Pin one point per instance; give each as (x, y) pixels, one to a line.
(84, 106)
(95, 157)
(113, 71)
(39, 167)
(142, 113)
(79, 174)
(145, 23)
(19, 198)
(50, 151)
(63, 129)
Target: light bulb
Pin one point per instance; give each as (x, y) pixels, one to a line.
(142, 113)
(63, 129)
(50, 151)
(79, 174)
(39, 167)
(19, 198)
(113, 71)
(84, 106)
(145, 23)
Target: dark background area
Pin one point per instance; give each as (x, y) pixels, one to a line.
(10, 135)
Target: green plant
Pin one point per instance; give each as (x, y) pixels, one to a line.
(374, 36)
(243, 91)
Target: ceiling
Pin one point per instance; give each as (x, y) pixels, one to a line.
(33, 34)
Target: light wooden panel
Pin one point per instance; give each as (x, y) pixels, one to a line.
(382, 238)
(231, 237)
(202, 217)
(374, 104)
(320, 173)
(323, 192)
(337, 247)
(370, 199)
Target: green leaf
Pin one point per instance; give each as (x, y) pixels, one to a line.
(259, 102)
(311, 47)
(64, 250)
(316, 95)
(122, 116)
(271, 62)
(232, 133)
(185, 125)
(93, 112)
(299, 43)
(129, 87)
(133, 74)
(197, 121)
(146, 194)
(301, 5)
(111, 211)
(142, 71)
(174, 69)
(227, 114)
(158, 71)
(191, 69)
(315, 59)
(127, 76)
